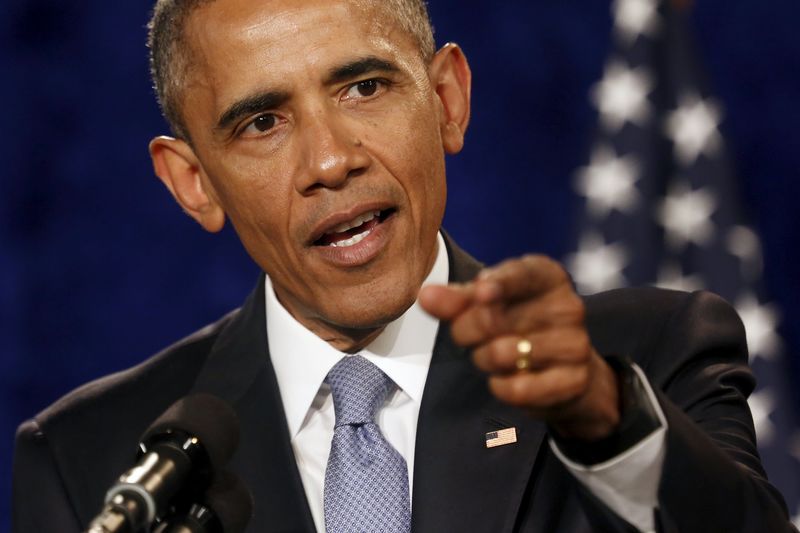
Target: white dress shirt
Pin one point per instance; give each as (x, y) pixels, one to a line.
(403, 351)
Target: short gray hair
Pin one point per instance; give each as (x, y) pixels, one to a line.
(170, 54)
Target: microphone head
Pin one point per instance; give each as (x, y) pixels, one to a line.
(225, 507)
(230, 500)
(207, 418)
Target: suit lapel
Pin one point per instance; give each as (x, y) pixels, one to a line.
(459, 484)
(239, 371)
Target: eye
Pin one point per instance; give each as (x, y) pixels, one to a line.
(365, 89)
(261, 124)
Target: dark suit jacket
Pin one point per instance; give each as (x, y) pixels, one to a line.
(691, 346)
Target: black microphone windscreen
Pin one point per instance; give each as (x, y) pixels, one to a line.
(206, 417)
(231, 501)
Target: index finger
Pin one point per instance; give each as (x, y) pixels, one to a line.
(517, 279)
(445, 302)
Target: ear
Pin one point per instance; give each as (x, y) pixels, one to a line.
(177, 166)
(452, 80)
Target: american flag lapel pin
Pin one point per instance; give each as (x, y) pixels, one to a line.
(501, 437)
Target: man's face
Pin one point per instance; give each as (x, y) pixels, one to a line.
(317, 130)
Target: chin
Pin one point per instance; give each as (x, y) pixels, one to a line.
(372, 311)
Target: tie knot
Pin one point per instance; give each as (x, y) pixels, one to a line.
(359, 389)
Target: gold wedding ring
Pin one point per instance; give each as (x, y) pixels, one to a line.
(524, 348)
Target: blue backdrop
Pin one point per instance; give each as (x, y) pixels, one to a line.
(99, 268)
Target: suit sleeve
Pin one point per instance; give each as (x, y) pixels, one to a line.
(712, 476)
(40, 500)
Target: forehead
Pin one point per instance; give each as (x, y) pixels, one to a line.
(235, 42)
(282, 20)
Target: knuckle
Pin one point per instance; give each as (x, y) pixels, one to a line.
(518, 391)
(571, 309)
(580, 309)
(556, 272)
(486, 322)
(577, 307)
(472, 327)
(530, 265)
(560, 275)
(582, 346)
(481, 358)
(580, 381)
(532, 260)
(505, 269)
(512, 390)
(494, 355)
(568, 388)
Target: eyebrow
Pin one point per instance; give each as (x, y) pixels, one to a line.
(359, 67)
(271, 99)
(250, 105)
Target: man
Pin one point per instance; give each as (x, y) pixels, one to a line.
(318, 128)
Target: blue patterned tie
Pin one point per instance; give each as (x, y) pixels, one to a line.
(366, 482)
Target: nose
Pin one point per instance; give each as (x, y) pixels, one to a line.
(331, 150)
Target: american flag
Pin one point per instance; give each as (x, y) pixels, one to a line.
(661, 206)
(501, 437)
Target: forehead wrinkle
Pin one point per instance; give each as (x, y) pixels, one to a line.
(224, 42)
(250, 29)
(257, 39)
(292, 20)
(204, 35)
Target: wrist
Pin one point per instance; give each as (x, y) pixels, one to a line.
(637, 420)
(596, 414)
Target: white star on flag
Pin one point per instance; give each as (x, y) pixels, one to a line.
(621, 96)
(670, 276)
(693, 128)
(760, 324)
(685, 215)
(669, 213)
(597, 266)
(743, 243)
(635, 17)
(609, 182)
(762, 403)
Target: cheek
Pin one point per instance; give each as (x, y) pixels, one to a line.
(257, 202)
(413, 154)
(436, 196)
(249, 187)
(426, 170)
(413, 141)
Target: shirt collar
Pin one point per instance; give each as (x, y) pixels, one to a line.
(302, 360)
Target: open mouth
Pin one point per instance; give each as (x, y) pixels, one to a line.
(354, 231)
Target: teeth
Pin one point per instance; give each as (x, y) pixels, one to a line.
(355, 239)
(366, 217)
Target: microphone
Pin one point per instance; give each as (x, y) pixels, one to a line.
(225, 508)
(178, 456)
